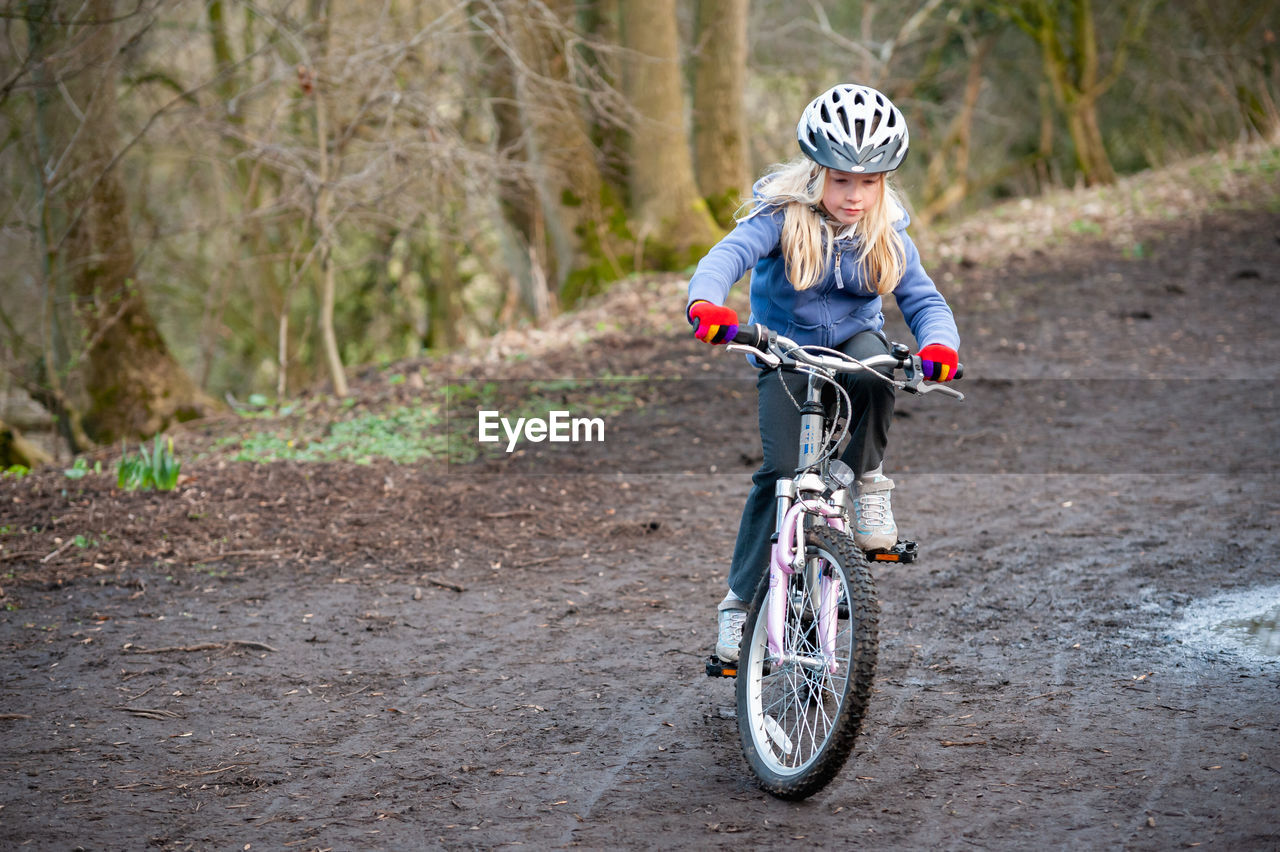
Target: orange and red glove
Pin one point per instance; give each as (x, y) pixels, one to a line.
(713, 323)
(939, 362)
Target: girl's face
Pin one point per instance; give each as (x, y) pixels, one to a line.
(848, 196)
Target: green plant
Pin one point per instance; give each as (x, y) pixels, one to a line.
(17, 471)
(1084, 226)
(155, 468)
(78, 470)
(404, 435)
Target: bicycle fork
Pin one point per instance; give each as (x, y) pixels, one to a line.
(789, 556)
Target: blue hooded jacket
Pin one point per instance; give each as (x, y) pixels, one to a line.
(838, 307)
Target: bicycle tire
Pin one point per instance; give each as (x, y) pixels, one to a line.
(777, 713)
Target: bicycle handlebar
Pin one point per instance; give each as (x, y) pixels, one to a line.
(778, 351)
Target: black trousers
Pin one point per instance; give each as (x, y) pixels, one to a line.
(780, 440)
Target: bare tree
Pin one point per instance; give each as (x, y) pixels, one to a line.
(1066, 33)
(539, 67)
(671, 217)
(133, 384)
(947, 181)
(719, 109)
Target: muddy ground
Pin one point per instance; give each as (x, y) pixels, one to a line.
(510, 652)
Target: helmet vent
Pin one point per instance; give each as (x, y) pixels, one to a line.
(858, 127)
(875, 120)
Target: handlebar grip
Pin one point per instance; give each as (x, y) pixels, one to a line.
(754, 335)
(959, 373)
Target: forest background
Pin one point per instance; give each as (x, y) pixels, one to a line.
(209, 199)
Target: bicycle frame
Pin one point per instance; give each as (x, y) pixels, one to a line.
(788, 552)
(804, 496)
(808, 662)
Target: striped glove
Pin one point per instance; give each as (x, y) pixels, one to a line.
(939, 362)
(713, 323)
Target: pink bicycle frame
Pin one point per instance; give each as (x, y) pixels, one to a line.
(787, 556)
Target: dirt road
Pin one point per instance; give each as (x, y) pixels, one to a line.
(382, 657)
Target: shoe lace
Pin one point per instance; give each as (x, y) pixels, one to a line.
(732, 623)
(873, 509)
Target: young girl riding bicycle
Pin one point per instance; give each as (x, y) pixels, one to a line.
(825, 239)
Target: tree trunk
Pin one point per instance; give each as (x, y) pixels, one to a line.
(1091, 150)
(444, 281)
(15, 449)
(135, 386)
(956, 145)
(324, 224)
(518, 219)
(674, 225)
(48, 379)
(562, 159)
(719, 110)
(250, 187)
(1074, 74)
(1082, 105)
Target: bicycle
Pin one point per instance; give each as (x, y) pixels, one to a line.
(809, 646)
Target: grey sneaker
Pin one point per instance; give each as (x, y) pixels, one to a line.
(873, 526)
(731, 617)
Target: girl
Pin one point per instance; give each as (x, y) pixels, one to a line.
(826, 238)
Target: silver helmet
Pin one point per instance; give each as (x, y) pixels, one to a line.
(853, 129)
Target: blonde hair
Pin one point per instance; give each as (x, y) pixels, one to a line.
(808, 235)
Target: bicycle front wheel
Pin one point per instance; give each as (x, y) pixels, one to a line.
(799, 715)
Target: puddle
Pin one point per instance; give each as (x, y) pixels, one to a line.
(1246, 623)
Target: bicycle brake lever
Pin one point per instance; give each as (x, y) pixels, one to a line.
(767, 358)
(915, 381)
(949, 391)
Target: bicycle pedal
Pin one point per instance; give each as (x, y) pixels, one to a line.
(717, 667)
(903, 551)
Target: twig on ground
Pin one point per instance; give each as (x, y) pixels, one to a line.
(543, 561)
(148, 713)
(268, 551)
(205, 646)
(444, 584)
(63, 547)
(1049, 694)
(5, 557)
(216, 771)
